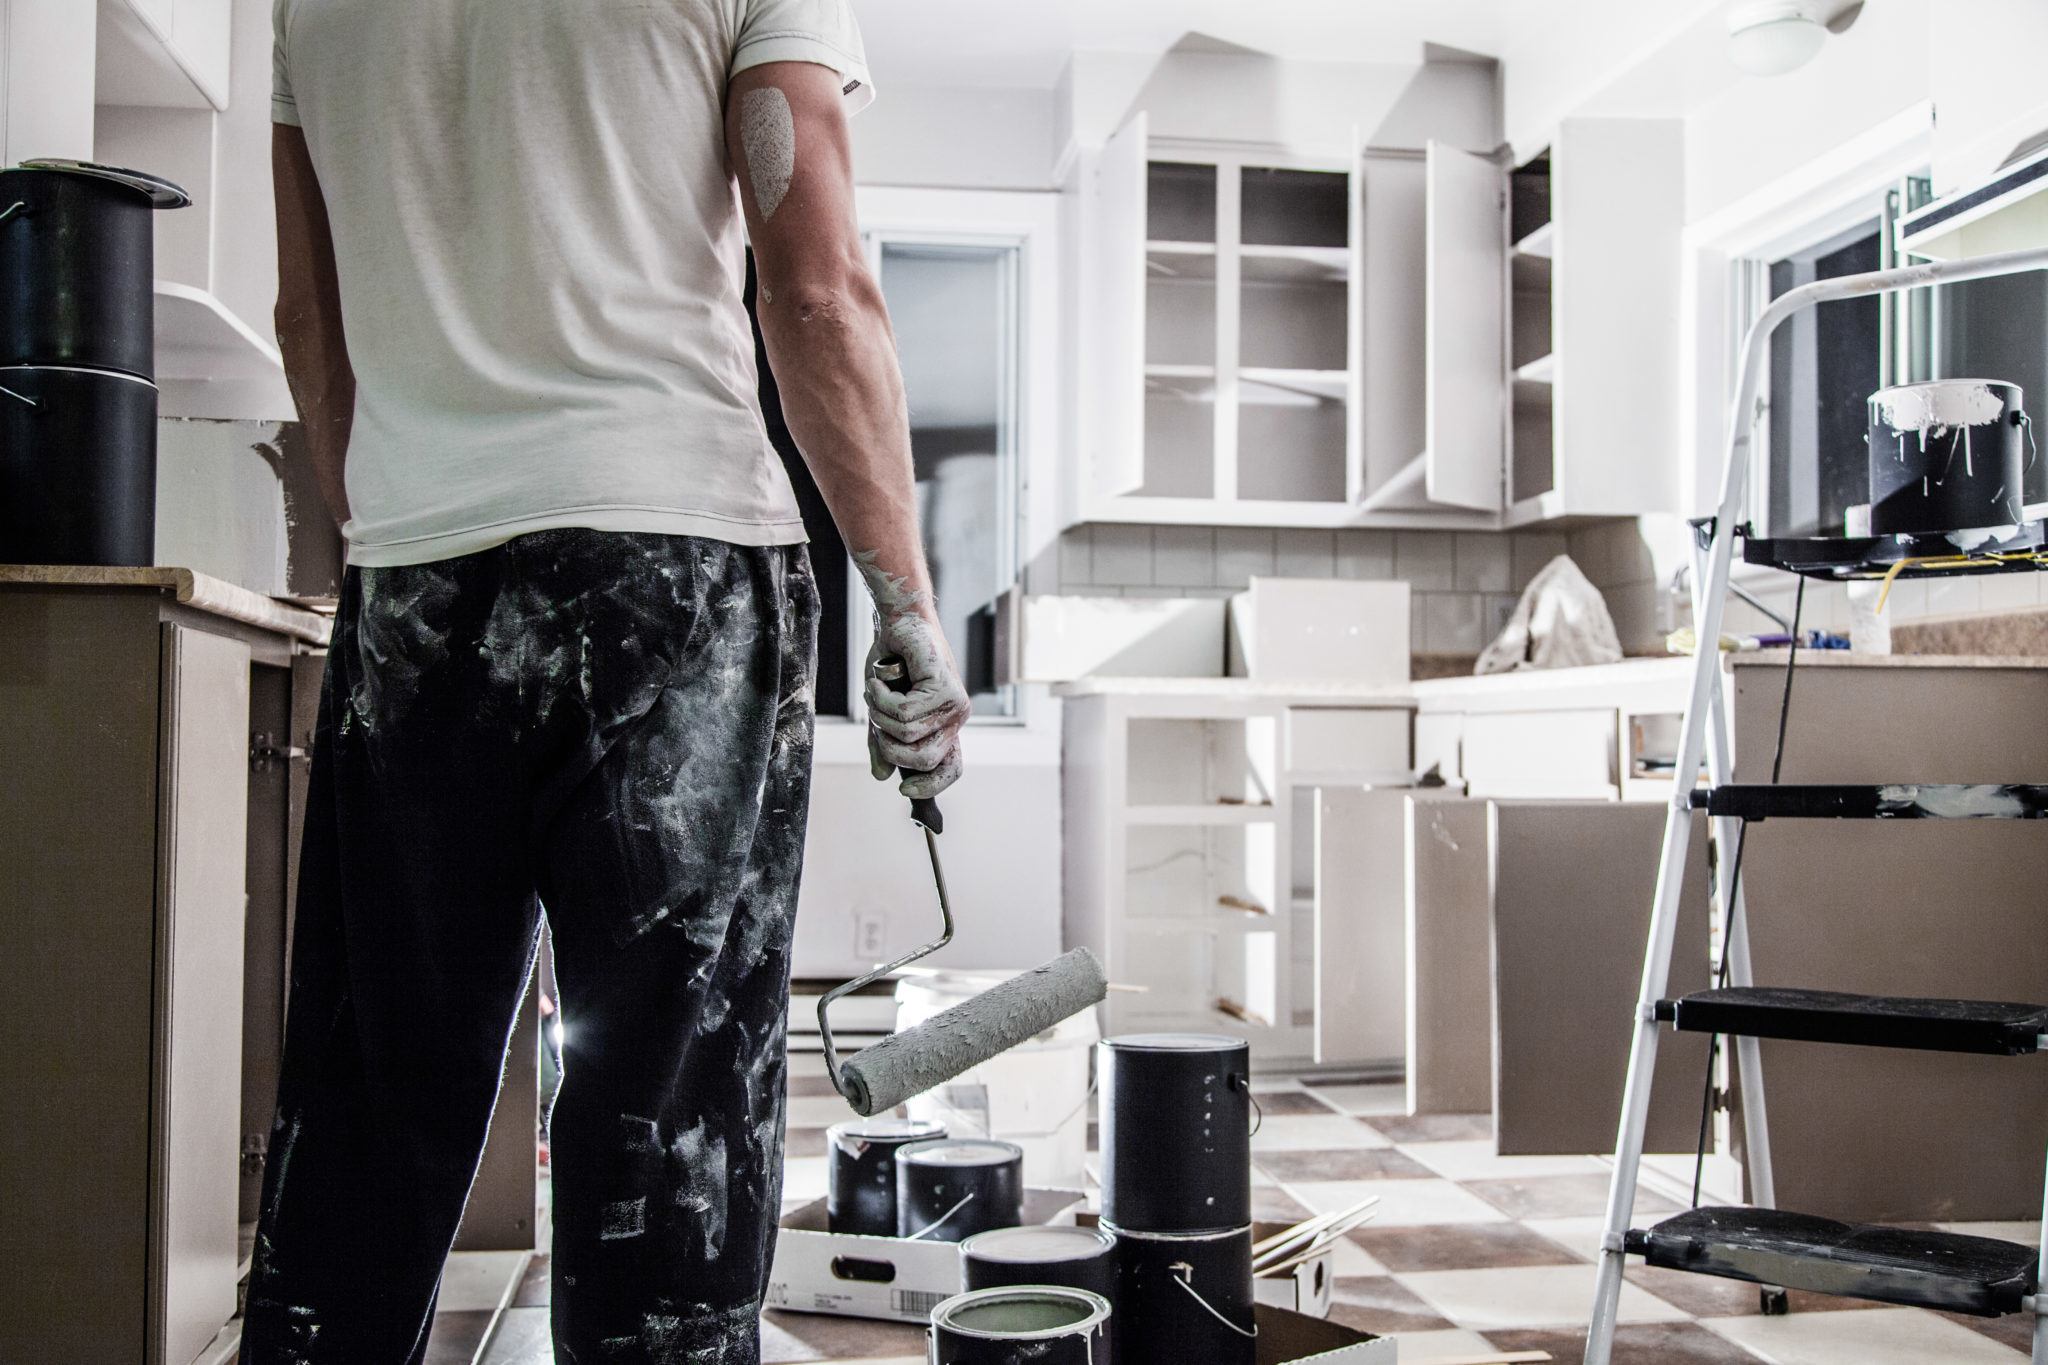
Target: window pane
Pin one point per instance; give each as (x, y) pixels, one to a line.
(1824, 365)
(955, 314)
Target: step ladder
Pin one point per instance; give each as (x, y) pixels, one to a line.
(1771, 1247)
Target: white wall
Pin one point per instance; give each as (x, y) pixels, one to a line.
(960, 138)
(864, 857)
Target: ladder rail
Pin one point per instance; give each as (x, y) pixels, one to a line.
(1710, 599)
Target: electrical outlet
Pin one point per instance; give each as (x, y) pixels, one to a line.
(870, 935)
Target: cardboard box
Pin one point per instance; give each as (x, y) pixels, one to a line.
(1295, 1339)
(891, 1278)
(1292, 630)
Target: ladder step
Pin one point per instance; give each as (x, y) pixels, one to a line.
(1994, 1027)
(1949, 1271)
(1888, 801)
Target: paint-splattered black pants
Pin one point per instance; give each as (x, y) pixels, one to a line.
(617, 727)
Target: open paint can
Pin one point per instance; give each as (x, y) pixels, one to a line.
(1040, 1325)
(1070, 1257)
(1176, 1132)
(1947, 456)
(951, 1188)
(860, 1171)
(1183, 1299)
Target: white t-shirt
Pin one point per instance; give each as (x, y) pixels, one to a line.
(541, 258)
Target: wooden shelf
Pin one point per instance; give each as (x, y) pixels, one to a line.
(210, 363)
(1196, 383)
(1245, 813)
(1541, 370)
(1542, 242)
(1540, 508)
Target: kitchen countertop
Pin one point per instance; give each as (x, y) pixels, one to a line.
(196, 590)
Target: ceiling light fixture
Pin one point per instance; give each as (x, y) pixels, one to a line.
(1772, 37)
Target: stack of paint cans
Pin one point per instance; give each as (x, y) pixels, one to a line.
(949, 1189)
(860, 1171)
(1176, 1196)
(1061, 1257)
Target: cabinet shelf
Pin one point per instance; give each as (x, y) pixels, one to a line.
(1295, 264)
(1540, 243)
(1263, 385)
(1195, 383)
(1181, 260)
(1542, 370)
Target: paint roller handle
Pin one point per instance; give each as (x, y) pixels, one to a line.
(923, 809)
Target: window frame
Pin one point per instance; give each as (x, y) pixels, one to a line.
(1029, 221)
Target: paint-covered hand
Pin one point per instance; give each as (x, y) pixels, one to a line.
(915, 730)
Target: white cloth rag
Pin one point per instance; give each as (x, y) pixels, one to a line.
(1561, 622)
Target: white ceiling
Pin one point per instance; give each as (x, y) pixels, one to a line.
(1026, 42)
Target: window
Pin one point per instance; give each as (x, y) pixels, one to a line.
(1826, 361)
(954, 307)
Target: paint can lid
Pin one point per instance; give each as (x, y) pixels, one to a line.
(886, 1129)
(1037, 1246)
(960, 1152)
(162, 193)
(1177, 1042)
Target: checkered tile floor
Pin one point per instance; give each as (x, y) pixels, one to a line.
(1468, 1252)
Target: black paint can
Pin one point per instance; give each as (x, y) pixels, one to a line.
(1948, 455)
(77, 467)
(951, 1188)
(77, 256)
(1176, 1132)
(1067, 1256)
(1039, 1325)
(1184, 1299)
(860, 1171)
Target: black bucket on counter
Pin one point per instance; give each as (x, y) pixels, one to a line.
(1183, 1299)
(1040, 1324)
(1176, 1132)
(951, 1188)
(860, 1170)
(77, 265)
(1948, 455)
(77, 467)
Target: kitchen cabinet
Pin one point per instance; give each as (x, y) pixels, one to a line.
(1183, 870)
(1418, 338)
(1235, 355)
(165, 53)
(1594, 322)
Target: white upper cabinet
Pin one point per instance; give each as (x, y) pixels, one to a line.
(164, 53)
(1419, 339)
(1219, 310)
(1594, 321)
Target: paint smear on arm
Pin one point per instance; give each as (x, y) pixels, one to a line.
(768, 137)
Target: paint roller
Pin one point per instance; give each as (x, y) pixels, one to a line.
(885, 1074)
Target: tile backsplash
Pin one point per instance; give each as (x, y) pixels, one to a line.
(1465, 584)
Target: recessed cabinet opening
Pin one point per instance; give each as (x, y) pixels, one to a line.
(1532, 463)
(1292, 325)
(1180, 320)
(1294, 208)
(1226, 764)
(1283, 436)
(1180, 436)
(1202, 876)
(1180, 202)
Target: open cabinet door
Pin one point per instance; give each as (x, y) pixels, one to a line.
(1386, 306)
(1465, 310)
(1114, 299)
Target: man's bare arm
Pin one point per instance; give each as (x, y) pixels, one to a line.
(834, 356)
(309, 315)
